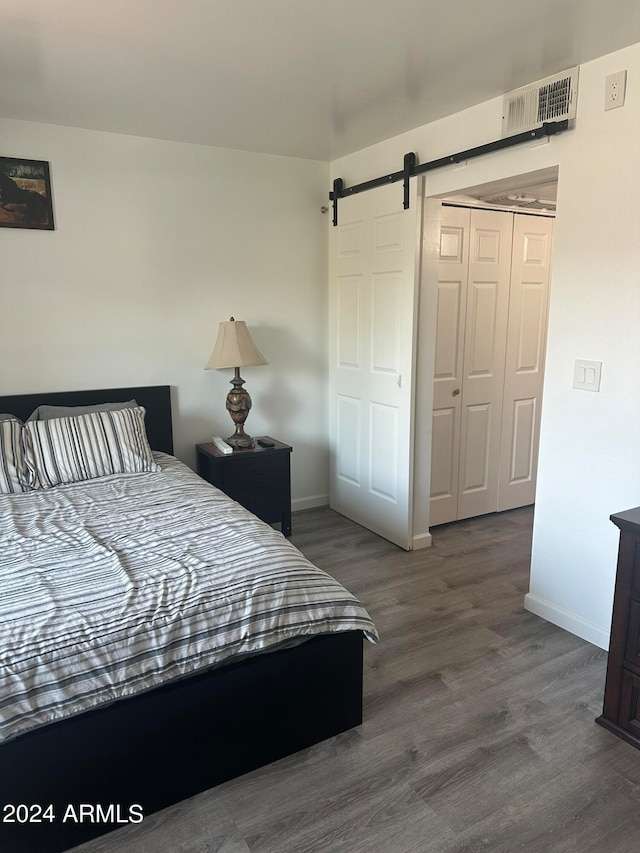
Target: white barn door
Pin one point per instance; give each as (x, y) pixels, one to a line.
(372, 327)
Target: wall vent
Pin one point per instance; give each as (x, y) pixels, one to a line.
(552, 99)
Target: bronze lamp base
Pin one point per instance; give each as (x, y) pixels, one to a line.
(238, 406)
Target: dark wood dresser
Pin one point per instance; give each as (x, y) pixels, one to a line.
(621, 711)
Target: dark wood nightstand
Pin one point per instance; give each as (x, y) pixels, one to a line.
(259, 478)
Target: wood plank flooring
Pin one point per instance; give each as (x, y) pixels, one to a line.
(479, 730)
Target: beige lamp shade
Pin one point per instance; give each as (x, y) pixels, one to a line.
(234, 347)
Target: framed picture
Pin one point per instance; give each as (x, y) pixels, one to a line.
(25, 194)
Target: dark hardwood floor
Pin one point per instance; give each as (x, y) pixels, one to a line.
(479, 730)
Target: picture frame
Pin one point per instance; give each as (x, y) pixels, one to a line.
(25, 194)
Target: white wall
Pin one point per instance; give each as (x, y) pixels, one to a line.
(590, 443)
(155, 243)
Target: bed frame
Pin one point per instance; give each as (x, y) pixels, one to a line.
(156, 399)
(175, 741)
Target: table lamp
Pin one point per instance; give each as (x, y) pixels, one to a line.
(235, 348)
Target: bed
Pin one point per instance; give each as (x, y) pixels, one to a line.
(78, 762)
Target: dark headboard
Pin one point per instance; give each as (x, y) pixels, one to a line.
(156, 399)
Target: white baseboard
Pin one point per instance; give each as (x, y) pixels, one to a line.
(566, 619)
(422, 540)
(309, 503)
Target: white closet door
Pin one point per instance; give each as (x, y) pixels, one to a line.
(453, 272)
(373, 259)
(484, 358)
(526, 342)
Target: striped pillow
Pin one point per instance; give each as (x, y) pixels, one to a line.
(14, 474)
(84, 447)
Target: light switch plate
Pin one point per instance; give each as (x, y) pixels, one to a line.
(587, 374)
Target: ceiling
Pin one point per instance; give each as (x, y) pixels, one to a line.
(292, 77)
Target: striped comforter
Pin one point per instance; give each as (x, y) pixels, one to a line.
(113, 586)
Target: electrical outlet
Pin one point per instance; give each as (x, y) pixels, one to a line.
(614, 90)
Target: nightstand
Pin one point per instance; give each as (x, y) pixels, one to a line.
(259, 478)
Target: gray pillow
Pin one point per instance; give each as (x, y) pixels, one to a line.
(93, 444)
(47, 413)
(4, 417)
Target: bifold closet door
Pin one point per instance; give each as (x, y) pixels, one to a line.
(447, 385)
(524, 364)
(493, 293)
(485, 339)
(471, 332)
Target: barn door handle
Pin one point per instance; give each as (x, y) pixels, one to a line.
(455, 392)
